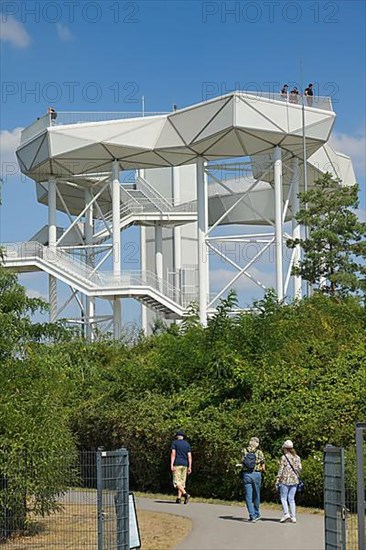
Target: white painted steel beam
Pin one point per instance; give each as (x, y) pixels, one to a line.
(202, 229)
(296, 230)
(88, 237)
(52, 238)
(159, 254)
(278, 242)
(116, 239)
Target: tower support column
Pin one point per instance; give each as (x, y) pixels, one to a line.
(116, 240)
(278, 221)
(159, 254)
(177, 236)
(202, 225)
(88, 236)
(296, 229)
(52, 239)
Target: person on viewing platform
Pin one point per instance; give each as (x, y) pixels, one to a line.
(287, 480)
(284, 90)
(181, 465)
(294, 95)
(52, 112)
(253, 466)
(309, 94)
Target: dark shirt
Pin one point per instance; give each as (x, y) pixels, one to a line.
(182, 448)
(309, 91)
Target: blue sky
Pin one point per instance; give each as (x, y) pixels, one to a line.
(105, 55)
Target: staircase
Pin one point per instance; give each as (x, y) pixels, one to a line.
(142, 204)
(145, 286)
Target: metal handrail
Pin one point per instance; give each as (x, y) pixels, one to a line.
(80, 117)
(148, 189)
(37, 127)
(82, 271)
(52, 255)
(143, 206)
(317, 102)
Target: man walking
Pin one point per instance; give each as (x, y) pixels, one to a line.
(181, 465)
(253, 466)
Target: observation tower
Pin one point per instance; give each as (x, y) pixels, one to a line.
(234, 161)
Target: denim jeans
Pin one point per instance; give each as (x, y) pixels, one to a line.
(252, 487)
(288, 493)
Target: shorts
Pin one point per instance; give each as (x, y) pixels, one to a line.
(180, 476)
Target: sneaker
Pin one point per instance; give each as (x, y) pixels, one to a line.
(254, 520)
(293, 520)
(285, 518)
(186, 498)
(178, 501)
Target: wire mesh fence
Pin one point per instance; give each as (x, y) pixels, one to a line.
(344, 495)
(76, 501)
(355, 472)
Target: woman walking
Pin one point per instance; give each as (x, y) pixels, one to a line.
(287, 479)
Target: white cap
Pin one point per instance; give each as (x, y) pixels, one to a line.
(288, 444)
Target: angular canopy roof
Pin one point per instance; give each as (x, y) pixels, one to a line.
(235, 125)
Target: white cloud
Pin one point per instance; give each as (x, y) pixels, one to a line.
(14, 32)
(354, 146)
(221, 277)
(64, 33)
(32, 293)
(9, 141)
(361, 214)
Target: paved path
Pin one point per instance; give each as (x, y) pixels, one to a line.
(217, 527)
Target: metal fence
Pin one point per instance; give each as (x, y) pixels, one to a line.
(113, 500)
(334, 498)
(77, 501)
(344, 495)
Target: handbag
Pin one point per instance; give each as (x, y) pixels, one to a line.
(300, 487)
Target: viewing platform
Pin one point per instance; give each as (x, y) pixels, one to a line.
(81, 117)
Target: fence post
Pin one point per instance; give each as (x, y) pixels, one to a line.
(122, 500)
(334, 498)
(361, 504)
(100, 498)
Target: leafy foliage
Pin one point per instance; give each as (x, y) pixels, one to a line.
(279, 371)
(34, 427)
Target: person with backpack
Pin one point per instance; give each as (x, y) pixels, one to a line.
(253, 467)
(288, 478)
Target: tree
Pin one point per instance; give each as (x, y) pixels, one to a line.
(335, 249)
(36, 444)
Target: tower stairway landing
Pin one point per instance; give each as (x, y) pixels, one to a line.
(144, 286)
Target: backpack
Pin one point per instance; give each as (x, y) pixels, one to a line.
(249, 461)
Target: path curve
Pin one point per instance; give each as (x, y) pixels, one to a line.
(218, 527)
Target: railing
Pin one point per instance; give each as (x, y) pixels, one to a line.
(79, 117)
(81, 271)
(152, 193)
(51, 255)
(37, 127)
(317, 102)
(144, 206)
(76, 117)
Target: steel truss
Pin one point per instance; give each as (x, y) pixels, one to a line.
(276, 238)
